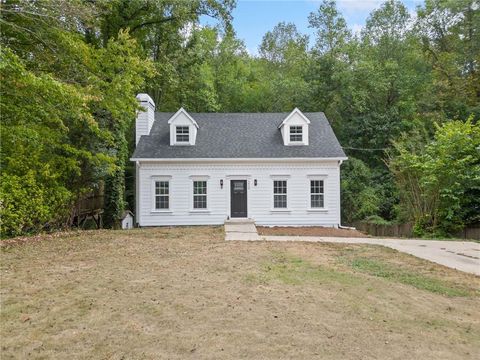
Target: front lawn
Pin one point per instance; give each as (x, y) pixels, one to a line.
(184, 292)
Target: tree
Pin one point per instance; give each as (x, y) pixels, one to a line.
(99, 87)
(282, 68)
(450, 32)
(330, 60)
(360, 196)
(331, 32)
(439, 182)
(49, 142)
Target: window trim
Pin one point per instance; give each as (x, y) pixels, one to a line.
(207, 195)
(321, 186)
(301, 133)
(280, 209)
(182, 134)
(155, 179)
(311, 178)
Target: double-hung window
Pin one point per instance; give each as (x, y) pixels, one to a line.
(182, 134)
(296, 133)
(280, 194)
(200, 194)
(162, 195)
(317, 194)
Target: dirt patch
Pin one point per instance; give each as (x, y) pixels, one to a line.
(176, 293)
(309, 231)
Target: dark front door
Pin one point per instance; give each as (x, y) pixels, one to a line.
(238, 198)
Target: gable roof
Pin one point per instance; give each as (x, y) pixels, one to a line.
(295, 111)
(183, 111)
(239, 135)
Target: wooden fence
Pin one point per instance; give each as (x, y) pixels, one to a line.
(471, 232)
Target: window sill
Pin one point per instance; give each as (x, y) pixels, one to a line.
(317, 210)
(166, 211)
(181, 143)
(199, 211)
(281, 210)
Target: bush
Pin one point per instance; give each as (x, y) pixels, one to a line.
(360, 198)
(439, 182)
(28, 205)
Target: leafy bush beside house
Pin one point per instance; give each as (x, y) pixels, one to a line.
(63, 131)
(359, 194)
(439, 183)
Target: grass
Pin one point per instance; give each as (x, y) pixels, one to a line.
(176, 293)
(419, 281)
(292, 270)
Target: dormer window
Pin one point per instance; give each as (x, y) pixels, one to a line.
(296, 133)
(183, 129)
(182, 134)
(294, 129)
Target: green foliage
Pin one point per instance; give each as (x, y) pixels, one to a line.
(28, 203)
(41, 118)
(377, 220)
(71, 69)
(360, 196)
(440, 183)
(64, 118)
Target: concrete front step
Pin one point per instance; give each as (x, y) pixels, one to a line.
(239, 221)
(242, 228)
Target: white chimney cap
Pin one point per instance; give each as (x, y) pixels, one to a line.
(145, 98)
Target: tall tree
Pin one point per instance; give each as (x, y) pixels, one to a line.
(282, 64)
(450, 33)
(330, 59)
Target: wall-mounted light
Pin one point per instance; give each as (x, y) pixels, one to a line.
(255, 182)
(221, 183)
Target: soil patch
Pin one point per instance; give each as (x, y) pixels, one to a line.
(309, 231)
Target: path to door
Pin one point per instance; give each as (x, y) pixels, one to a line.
(460, 255)
(241, 229)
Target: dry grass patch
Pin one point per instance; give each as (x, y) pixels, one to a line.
(176, 293)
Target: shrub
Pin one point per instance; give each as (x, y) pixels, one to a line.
(28, 205)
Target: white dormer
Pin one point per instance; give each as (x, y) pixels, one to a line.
(183, 128)
(295, 128)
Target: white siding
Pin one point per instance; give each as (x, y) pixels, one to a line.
(260, 197)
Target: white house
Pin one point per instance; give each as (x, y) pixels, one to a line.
(205, 168)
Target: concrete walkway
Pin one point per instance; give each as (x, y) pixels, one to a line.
(460, 255)
(241, 229)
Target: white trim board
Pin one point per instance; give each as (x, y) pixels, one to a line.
(293, 159)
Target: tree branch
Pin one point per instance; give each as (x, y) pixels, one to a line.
(152, 22)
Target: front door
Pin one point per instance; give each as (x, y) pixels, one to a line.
(238, 198)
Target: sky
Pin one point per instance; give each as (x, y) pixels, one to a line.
(253, 18)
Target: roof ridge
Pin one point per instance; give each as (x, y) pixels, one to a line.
(241, 113)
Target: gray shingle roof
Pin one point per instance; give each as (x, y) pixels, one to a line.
(239, 135)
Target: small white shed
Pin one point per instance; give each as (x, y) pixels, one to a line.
(126, 220)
